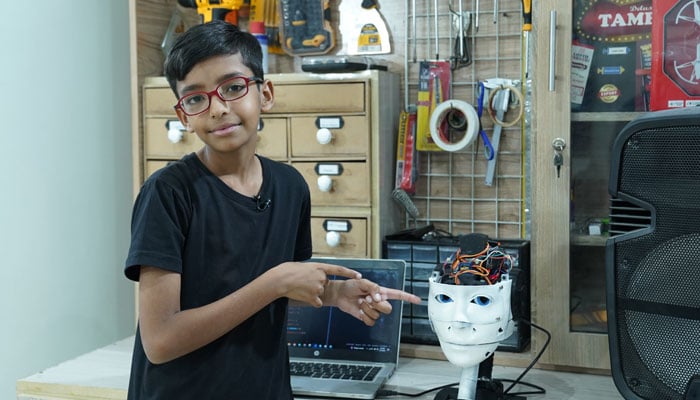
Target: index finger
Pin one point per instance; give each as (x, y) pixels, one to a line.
(332, 269)
(395, 294)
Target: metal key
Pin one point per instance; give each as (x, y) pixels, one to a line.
(558, 144)
(558, 162)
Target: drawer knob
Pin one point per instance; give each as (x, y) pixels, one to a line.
(324, 136)
(333, 239)
(325, 183)
(176, 131)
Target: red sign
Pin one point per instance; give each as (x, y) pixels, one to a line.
(615, 22)
(675, 68)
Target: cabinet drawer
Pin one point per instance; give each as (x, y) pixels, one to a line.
(319, 98)
(158, 101)
(272, 138)
(349, 182)
(351, 139)
(352, 234)
(153, 166)
(157, 145)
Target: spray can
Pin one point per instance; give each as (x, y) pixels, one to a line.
(257, 29)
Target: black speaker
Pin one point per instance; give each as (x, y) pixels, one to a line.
(653, 255)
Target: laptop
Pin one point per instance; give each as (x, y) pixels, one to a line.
(362, 358)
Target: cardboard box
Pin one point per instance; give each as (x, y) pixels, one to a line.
(675, 67)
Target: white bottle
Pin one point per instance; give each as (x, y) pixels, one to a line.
(257, 29)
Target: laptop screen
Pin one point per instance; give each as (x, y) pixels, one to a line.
(329, 333)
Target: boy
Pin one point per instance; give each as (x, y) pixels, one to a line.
(218, 236)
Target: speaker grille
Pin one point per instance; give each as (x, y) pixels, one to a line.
(665, 345)
(627, 217)
(657, 274)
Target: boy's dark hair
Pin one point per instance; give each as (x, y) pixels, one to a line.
(203, 41)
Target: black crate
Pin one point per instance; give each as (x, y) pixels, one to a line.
(422, 256)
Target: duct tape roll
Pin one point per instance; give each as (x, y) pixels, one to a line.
(438, 116)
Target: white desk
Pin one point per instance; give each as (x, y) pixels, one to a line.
(104, 374)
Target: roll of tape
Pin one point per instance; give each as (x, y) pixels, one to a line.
(438, 116)
(521, 106)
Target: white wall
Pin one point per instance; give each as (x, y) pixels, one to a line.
(65, 182)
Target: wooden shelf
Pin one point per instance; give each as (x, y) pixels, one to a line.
(604, 116)
(588, 240)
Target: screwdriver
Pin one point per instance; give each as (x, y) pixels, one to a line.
(527, 27)
(527, 15)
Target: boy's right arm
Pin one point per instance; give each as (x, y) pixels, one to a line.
(167, 332)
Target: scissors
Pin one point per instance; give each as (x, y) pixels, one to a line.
(488, 148)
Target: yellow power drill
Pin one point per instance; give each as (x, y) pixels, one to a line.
(225, 10)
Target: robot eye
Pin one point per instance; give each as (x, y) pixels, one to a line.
(443, 298)
(481, 301)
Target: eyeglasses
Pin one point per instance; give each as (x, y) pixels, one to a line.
(229, 90)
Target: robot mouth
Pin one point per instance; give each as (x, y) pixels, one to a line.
(455, 344)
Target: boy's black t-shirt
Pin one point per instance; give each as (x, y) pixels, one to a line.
(188, 221)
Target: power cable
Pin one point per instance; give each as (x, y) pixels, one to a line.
(513, 382)
(534, 360)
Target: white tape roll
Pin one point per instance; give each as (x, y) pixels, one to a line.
(438, 116)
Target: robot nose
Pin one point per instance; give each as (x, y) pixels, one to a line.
(461, 317)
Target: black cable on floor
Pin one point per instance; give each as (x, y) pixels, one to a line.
(538, 389)
(534, 360)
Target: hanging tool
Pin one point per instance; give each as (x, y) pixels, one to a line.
(489, 152)
(256, 10)
(436, 99)
(434, 82)
(306, 27)
(364, 31)
(225, 10)
(413, 23)
(437, 30)
(498, 102)
(495, 11)
(271, 19)
(527, 27)
(461, 21)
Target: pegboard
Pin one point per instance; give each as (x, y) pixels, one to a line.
(451, 190)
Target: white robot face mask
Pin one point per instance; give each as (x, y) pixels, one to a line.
(469, 302)
(470, 320)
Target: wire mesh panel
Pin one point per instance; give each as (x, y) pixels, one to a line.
(481, 40)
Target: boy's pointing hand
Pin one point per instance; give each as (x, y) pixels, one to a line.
(366, 300)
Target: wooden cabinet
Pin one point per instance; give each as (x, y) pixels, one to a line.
(338, 131)
(551, 194)
(568, 258)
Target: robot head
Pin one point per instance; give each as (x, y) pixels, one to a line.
(471, 316)
(470, 321)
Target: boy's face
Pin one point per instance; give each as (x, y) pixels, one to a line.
(227, 125)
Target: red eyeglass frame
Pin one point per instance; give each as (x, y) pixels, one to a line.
(215, 92)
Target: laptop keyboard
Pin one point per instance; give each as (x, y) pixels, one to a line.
(352, 372)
